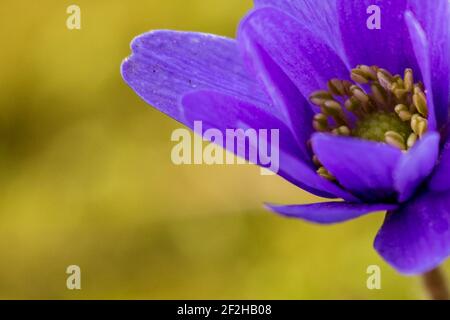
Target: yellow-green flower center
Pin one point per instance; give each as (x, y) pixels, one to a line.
(374, 126)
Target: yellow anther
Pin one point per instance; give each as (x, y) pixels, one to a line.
(319, 97)
(324, 173)
(409, 80)
(339, 87)
(363, 74)
(419, 125)
(385, 78)
(412, 139)
(352, 104)
(420, 102)
(371, 72)
(400, 93)
(379, 94)
(359, 94)
(320, 122)
(395, 139)
(342, 131)
(403, 112)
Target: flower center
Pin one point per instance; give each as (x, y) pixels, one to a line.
(374, 127)
(376, 106)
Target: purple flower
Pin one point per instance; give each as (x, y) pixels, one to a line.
(362, 113)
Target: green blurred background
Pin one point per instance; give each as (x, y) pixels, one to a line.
(86, 178)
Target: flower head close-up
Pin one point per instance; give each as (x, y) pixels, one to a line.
(359, 91)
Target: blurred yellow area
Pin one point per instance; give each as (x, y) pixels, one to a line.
(86, 178)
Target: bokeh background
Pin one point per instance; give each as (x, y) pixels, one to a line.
(86, 178)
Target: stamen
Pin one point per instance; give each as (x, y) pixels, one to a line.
(395, 111)
(359, 76)
(379, 94)
(395, 139)
(319, 97)
(419, 125)
(412, 140)
(352, 104)
(325, 174)
(333, 109)
(342, 131)
(385, 78)
(409, 80)
(339, 87)
(359, 94)
(420, 101)
(320, 122)
(403, 112)
(399, 93)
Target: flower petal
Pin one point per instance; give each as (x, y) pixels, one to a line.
(433, 16)
(285, 95)
(363, 167)
(329, 212)
(222, 112)
(301, 55)
(416, 165)
(167, 64)
(416, 238)
(439, 181)
(388, 47)
(320, 17)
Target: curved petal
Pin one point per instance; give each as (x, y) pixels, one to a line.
(433, 16)
(422, 50)
(320, 17)
(388, 47)
(302, 56)
(285, 95)
(221, 112)
(416, 238)
(416, 165)
(439, 181)
(363, 167)
(218, 111)
(329, 212)
(165, 65)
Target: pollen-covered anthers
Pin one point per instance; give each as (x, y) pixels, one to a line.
(322, 171)
(376, 106)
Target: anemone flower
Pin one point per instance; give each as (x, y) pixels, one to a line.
(362, 112)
